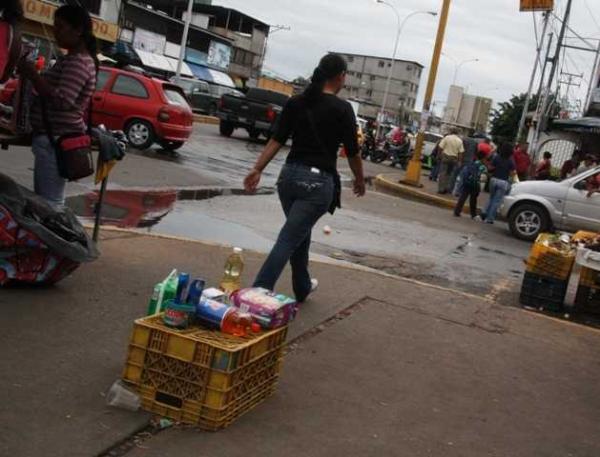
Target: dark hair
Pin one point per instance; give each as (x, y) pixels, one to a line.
(12, 12)
(78, 17)
(547, 155)
(329, 67)
(505, 150)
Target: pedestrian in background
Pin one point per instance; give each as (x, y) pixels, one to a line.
(452, 149)
(544, 167)
(588, 163)
(502, 169)
(522, 161)
(485, 148)
(64, 92)
(11, 15)
(470, 181)
(309, 185)
(570, 166)
(436, 162)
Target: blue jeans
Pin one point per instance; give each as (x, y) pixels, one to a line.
(47, 181)
(498, 189)
(306, 194)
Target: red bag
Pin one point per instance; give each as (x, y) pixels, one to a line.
(25, 259)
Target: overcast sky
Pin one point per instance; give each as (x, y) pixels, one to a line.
(493, 31)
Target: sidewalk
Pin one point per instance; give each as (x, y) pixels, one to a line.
(402, 369)
(391, 183)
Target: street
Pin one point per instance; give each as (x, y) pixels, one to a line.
(386, 233)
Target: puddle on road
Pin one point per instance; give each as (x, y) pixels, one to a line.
(128, 208)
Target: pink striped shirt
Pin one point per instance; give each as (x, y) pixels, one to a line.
(73, 78)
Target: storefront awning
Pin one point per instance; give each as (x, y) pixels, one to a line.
(162, 63)
(581, 125)
(212, 76)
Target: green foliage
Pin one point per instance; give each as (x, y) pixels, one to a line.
(505, 119)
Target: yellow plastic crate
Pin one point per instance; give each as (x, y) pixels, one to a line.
(549, 261)
(199, 376)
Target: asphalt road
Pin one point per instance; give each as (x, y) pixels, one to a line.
(391, 234)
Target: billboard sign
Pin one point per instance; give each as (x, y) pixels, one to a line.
(145, 40)
(537, 5)
(219, 55)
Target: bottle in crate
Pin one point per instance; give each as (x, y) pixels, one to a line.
(232, 278)
(228, 319)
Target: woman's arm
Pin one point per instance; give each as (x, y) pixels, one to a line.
(356, 166)
(253, 179)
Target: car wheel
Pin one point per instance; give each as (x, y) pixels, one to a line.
(140, 134)
(226, 129)
(527, 221)
(171, 145)
(254, 134)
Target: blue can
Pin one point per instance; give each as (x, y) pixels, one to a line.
(195, 292)
(182, 285)
(211, 313)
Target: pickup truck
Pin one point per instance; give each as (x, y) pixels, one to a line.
(256, 112)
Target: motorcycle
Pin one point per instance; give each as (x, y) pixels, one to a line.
(396, 154)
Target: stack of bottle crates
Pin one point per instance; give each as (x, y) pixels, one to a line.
(202, 377)
(547, 274)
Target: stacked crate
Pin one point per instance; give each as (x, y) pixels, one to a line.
(547, 274)
(587, 300)
(202, 377)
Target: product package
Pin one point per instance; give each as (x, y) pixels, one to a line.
(269, 309)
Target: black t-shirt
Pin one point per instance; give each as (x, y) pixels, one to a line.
(334, 122)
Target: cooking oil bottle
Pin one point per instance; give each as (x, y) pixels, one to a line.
(232, 278)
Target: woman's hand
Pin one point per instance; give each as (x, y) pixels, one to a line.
(27, 69)
(359, 187)
(252, 180)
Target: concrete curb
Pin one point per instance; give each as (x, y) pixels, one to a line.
(202, 119)
(389, 184)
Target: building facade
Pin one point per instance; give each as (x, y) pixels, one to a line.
(366, 81)
(39, 19)
(470, 113)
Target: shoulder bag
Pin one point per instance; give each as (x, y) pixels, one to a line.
(73, 150)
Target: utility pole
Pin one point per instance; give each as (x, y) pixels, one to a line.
(593, 81)
(184, 39)
(569, 83)
(553, 69)
(413, 174)
(532, 80)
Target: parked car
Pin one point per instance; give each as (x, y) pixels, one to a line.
(204, 97)
(256, 112)
(533, 207)
(148, 110)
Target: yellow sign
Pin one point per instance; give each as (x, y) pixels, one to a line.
(537, 5)
(39, 11)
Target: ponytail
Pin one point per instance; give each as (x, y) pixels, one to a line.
(78, 17)
(329, 67)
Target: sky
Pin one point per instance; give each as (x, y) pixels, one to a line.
(493, 31)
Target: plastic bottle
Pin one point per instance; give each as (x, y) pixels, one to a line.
(228, 319)
(232, 278)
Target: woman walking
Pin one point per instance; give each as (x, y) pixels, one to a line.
(503, 171)
(64, 95)
(309, 186)
(471, 176)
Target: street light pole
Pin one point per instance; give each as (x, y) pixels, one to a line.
(184, 39)
(413, 174)
(458, 67)
(388, 83)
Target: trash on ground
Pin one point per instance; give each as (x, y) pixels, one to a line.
(121, 396)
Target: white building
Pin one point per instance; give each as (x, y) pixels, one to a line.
(469, 112)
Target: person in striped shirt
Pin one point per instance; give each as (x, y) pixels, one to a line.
(65, 92)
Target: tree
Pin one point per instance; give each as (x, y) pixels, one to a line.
(505, 119)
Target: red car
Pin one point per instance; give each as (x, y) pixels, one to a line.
(148, 110)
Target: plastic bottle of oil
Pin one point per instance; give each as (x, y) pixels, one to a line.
(232, 278)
